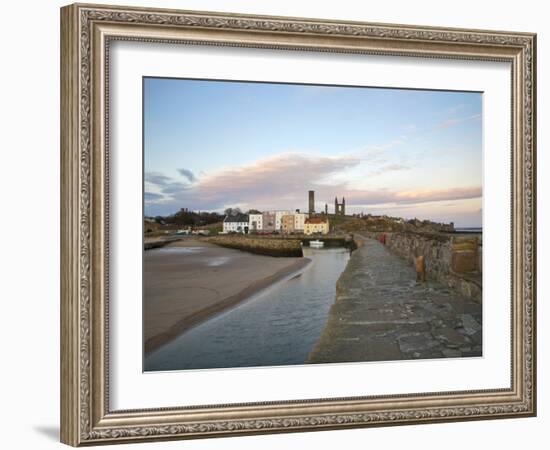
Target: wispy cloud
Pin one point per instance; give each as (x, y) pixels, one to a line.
(453, 110)
(378, 149)
(439, 195)
(384, 197)
(457, 121)
(152, 197)
(186, 173)
(164, 184)
(282, 177)
(174, 188)
(463, 212)
(393, 167)
(157, 178)
(283, 181)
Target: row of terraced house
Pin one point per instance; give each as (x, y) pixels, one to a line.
(285, 222)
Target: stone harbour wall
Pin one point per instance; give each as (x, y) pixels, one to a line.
(382, 314)
(452, 259)
(258, 246)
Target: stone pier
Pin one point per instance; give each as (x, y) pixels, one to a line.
(382, 314)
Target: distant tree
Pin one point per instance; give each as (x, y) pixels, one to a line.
(184, 217)
(232, 211)
(187, 218)
(207, 218)
(253, 211)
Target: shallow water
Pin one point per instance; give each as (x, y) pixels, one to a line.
(278, 326)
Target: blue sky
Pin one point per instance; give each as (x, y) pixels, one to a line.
(210, 145)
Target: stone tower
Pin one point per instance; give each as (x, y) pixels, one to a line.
(312, 202)
(339, 208)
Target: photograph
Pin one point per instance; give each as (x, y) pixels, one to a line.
(294, 224)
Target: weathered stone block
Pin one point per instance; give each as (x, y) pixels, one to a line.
(471, 325)
(416, 341)
(451, 353)
(464, 255)
(450, 337)
(464, 261)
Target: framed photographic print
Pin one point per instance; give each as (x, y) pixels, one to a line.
(277, 224)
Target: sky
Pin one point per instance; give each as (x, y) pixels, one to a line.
(210, 145)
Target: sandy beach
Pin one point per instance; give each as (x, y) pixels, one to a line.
(189, 281)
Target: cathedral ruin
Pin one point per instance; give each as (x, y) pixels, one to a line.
(339, 208)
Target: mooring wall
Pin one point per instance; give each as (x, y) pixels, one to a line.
(452, 259)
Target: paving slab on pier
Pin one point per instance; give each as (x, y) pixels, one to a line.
(382, 313)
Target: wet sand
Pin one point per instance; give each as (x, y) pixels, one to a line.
(189, 281)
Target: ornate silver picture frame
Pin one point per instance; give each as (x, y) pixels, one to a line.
(87, 32)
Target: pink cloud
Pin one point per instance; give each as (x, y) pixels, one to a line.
(452, 122)
(282, 182)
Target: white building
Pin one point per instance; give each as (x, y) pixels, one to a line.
(237, 223)
(278, 218)
(255, 222)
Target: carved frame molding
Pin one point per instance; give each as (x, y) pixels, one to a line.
(86, 31)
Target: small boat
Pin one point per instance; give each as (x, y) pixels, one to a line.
(316, 244)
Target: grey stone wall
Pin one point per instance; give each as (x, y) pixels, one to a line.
(382, 314)
(452, 259)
